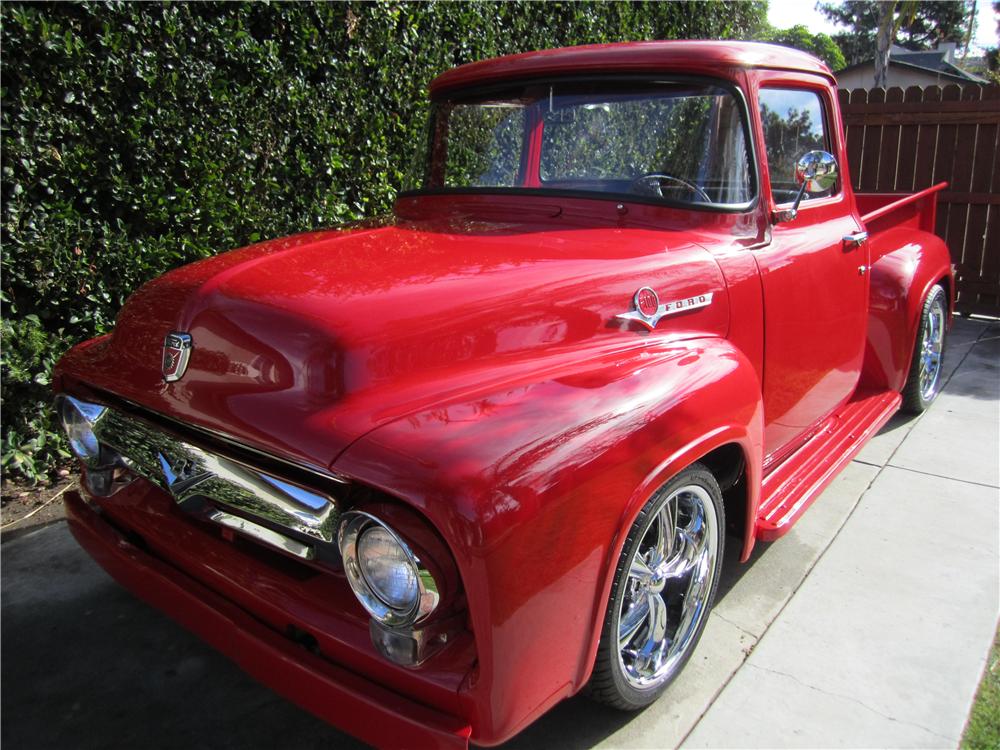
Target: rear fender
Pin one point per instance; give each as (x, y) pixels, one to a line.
(534, 487)
(906, 264)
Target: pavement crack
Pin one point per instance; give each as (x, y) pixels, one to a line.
(854, 700)
(737, 626)
(867, 463)
(941, 476)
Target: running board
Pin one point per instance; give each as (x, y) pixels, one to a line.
(796, 482)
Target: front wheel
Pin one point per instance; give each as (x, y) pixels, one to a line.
(924, 379)
(664, 587)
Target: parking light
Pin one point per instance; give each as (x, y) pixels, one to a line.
(78, 420)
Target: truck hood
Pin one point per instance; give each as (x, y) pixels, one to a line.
(302, 345)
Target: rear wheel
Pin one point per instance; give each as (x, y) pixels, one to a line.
(924, 379)
(664, 587)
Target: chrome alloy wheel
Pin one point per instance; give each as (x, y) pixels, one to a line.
(669, 584)
(931, 345)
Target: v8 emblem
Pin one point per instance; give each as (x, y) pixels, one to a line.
(182, 475)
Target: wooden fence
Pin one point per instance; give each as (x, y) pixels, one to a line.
(903, 141)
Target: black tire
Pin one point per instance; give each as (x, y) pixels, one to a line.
(620, 676)
(922, 386)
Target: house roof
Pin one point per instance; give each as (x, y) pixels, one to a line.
(932, 62)
(936, 60)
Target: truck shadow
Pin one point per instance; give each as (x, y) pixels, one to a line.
(88, 666)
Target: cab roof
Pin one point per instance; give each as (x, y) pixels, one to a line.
(703, 57)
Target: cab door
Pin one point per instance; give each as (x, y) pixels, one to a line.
(814, 281)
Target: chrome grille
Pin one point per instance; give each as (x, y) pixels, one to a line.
(192, 474)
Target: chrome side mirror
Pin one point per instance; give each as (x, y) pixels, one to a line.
(816, 172)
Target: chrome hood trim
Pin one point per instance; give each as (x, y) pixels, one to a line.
(193, 475)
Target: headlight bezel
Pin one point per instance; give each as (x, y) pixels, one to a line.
(354, 524)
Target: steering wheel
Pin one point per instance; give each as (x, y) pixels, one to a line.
(649, 184)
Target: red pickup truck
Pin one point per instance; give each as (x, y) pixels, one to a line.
(429, 475)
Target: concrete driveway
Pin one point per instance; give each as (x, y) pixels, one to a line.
(867, 625)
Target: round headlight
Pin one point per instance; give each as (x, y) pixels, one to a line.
(387, 568)
(385, 575)
(78, 419)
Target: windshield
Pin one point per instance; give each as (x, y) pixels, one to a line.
(666, 142)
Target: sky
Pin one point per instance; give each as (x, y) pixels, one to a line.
(786, 13)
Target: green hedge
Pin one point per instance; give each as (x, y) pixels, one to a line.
(137, 137)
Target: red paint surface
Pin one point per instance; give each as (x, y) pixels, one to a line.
(464, 357)
(720, 59)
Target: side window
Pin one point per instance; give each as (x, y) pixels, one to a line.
(793, 125)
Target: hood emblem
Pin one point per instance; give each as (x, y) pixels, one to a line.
(176, 353)
(648, 310)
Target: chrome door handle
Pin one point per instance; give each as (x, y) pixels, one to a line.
(862, 270)
(855, 239)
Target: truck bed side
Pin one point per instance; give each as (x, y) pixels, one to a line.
(905, 260)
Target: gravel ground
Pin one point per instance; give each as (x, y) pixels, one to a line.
(24, 507)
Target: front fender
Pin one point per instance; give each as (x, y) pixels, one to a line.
(906, 264)
(534, 486)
